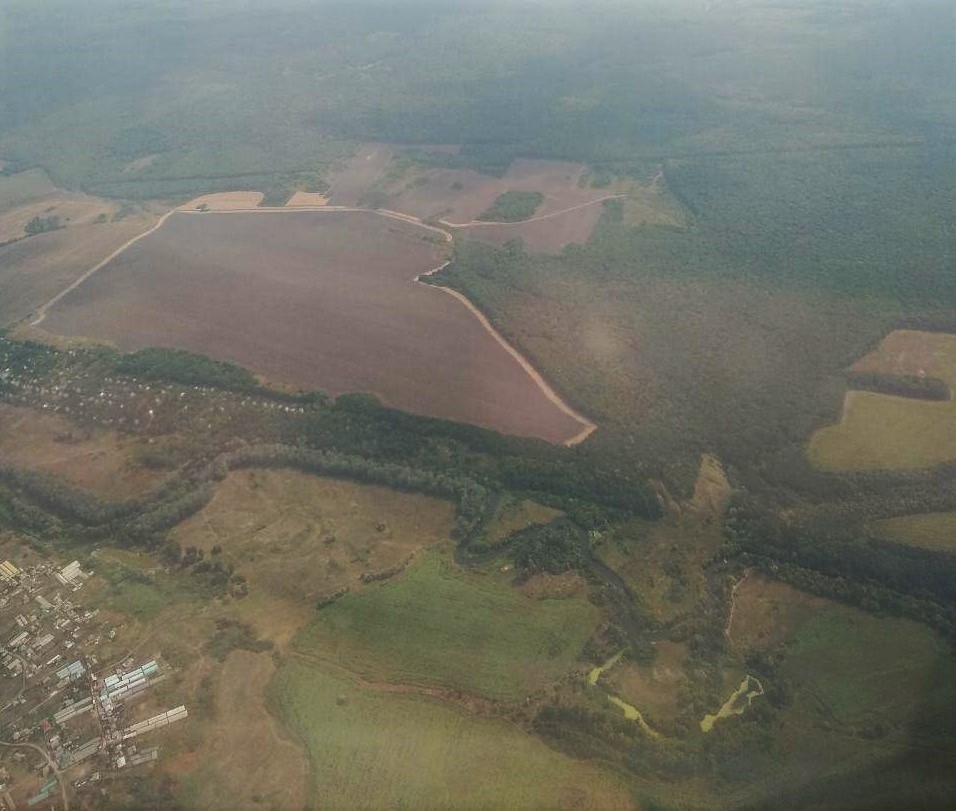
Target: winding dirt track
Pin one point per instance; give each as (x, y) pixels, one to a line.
(587, 426)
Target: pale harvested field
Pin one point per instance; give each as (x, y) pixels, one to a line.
(225, 201)
(306, 198)
(768, 612)
(101, 461)
(33, 270)
(551, 235)
(72, 209)
(297, 537)
(322, 300)
(913, 352)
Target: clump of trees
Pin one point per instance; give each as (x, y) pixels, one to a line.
(41, 225)
(550, 548)
(513, 206)
(921, 388)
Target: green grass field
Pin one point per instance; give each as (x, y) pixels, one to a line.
(880, 432)
(859, 670)
(929, 531)
(382, 750)
(439, 625)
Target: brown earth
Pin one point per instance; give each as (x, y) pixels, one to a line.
(516, 515)
(322, 300)
(100, 461)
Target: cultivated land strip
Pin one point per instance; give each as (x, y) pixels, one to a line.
(588, 427)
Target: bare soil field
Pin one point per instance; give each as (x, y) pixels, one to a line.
(323, 300)
(102, 461)
(33, 270)
(768, 612)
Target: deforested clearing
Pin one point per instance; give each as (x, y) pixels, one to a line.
(321, 300)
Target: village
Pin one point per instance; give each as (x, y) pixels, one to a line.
(70, 714)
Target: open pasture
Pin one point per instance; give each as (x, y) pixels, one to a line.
(324, 300)
(103, 462)
(375, 749)
(441, 626)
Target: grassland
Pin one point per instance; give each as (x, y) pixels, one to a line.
(862, 671)
(440, 626)
(936, 531)
(372, 749)
(104, 462)
(24, 187)
(883, 432)
(297, 538)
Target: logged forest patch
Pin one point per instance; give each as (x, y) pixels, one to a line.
(319, 300)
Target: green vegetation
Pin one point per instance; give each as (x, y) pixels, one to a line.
(23, 187)
(877, 675)
(41, 225)
(513, 206)
(373, 749)
(436, 625)
(178, 366)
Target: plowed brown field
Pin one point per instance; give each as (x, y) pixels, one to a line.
(323, 300)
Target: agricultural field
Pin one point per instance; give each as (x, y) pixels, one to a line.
(655, 688)
(556, 203)
(883, 431)
(513, 515)
(83, 231)
(317, 300)
(372, 748)
(936, 531)
(297, 538)
(463, 631)
(104, 462)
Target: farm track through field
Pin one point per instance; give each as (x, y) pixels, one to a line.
(53, 767)
(587, 426)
